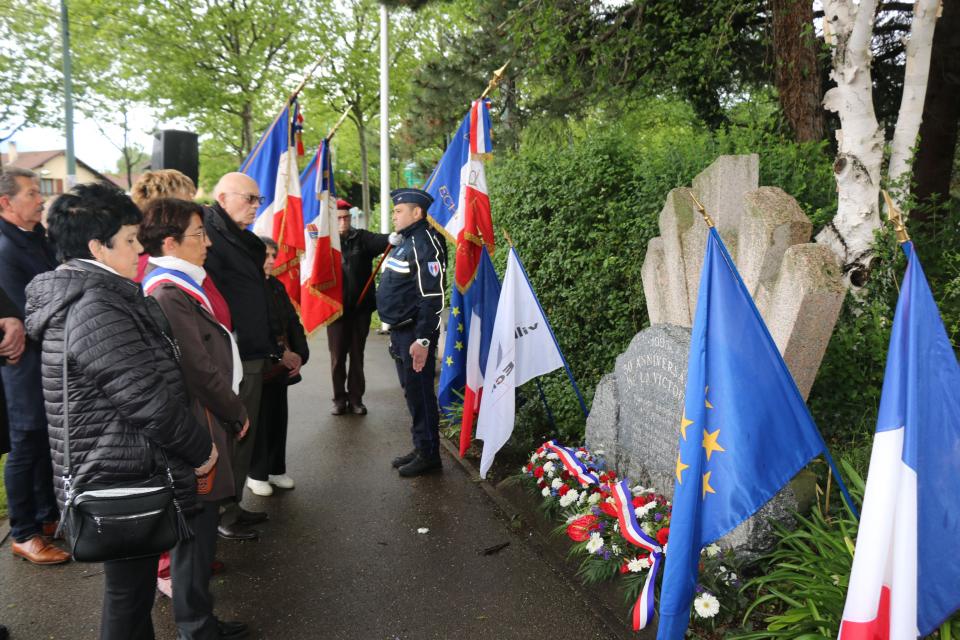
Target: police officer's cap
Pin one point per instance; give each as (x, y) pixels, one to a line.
(417, 197)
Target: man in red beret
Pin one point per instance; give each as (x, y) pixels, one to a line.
(347, 336)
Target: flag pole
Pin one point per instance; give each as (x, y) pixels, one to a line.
(333, 131)
(373, 275)
(896, 218)
(826, 453)
(566, 365)
(495, 80)
(292, 97)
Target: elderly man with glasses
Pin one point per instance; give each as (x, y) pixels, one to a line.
(347, 336)
(235, 262)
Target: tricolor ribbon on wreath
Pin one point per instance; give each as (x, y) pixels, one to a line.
(572, 464)
(630, 528)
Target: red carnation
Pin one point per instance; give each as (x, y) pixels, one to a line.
(662, 535)
(639, 501)
(528, 467)
(538, 472)
(564, 475)
(603, 477)
(579, 530)
(609, 509)
(563, 490)
(625, 567)
(612, 475)
(542, 484)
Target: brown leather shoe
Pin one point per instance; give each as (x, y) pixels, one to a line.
(38, 551)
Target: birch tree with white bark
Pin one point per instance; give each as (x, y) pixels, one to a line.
(848, 29)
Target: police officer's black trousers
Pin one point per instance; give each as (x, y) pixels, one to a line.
(418, 389)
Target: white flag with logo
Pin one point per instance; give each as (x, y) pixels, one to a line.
(522, 348)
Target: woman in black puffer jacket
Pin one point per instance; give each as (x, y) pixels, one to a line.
(127, 398)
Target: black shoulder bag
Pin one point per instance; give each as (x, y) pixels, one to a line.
(120, 521)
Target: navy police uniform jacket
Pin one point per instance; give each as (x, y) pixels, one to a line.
(411, 291)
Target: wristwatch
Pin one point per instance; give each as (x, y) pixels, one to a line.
(423, 342)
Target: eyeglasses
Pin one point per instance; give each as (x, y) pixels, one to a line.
(202, 233)
(250, 198)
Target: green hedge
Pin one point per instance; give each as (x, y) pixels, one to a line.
(581, 214)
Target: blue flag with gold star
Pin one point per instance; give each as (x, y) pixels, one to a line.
(744, 433)
(471, 320)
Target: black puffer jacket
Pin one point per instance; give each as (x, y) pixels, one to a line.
(127, 397)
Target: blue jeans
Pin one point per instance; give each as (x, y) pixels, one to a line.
(28, 475)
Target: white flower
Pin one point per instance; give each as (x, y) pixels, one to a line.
(552, 456)
(643, 510)
(580, 454)
(534, 457)
(712, 550)
(595, 543)
(548, 468)
(706, 605)
(556, 484)
(523, 469)
(569, 498)
(545, 492)
(423, 530)
(582, 498)
(637, 565)
(731, 578)
(647, 528)
(616, 526)
(594, 498)
(614, 548)
(637, 490)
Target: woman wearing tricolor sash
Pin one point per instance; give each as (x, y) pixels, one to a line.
(173, 235)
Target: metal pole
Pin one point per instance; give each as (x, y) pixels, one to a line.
(384, 120)
(68, 95)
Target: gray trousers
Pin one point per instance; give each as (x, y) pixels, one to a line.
(190, 570)
(251, 390)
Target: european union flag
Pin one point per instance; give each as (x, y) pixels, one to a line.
(745, 430)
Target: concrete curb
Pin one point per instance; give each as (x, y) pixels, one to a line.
(606, 599)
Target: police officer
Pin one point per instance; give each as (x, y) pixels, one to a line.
(410, 298)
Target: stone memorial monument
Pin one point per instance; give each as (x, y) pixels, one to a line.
(796, 284)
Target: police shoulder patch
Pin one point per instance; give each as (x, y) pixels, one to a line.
(434, 268)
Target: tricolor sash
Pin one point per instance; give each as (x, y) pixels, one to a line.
(631, 530)
(572, 463)
(184, 282)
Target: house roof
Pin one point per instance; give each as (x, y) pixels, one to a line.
(34, 159)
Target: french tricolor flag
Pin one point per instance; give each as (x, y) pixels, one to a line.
(321, 272)
(273, 164)
(458, 184)
(905, 579)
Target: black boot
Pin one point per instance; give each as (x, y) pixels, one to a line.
(421, 464)
(402, 460)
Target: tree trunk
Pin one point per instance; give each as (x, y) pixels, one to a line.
(246, 134)
(797, 75)
(848, 29)
(933, 166)
(915, 75)
(364, 167)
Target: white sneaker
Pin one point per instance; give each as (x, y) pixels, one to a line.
(281, 482)
(165, 586)
(259, 487)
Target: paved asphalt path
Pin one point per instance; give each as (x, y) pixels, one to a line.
(341, 557)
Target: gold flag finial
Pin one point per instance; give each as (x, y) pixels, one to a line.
(506, 235)
(495, 80)
(896, 218)
(702, 210)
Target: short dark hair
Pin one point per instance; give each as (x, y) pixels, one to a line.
(8, 180)
(270, 242)
(93, 211)
(166, 218)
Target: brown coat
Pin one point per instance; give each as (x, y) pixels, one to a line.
(207, 364)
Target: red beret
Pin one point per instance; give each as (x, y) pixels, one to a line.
(343, 204)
